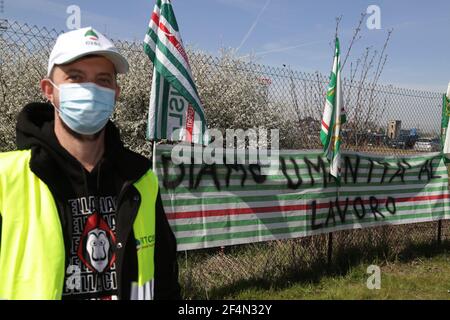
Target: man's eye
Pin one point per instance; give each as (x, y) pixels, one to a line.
(105, 82)
(75, 78)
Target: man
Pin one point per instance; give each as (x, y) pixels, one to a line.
(81, 216)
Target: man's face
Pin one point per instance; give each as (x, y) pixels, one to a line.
(94, 69)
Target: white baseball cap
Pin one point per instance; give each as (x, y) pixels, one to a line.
(73, 45)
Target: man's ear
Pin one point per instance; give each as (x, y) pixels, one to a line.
(47, 89)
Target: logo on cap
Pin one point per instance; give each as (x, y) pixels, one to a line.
(91, 35)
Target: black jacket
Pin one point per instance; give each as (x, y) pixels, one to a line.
(118, 170)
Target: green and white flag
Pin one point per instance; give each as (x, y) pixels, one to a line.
(334, 117)
(175, 111)
(445, 135)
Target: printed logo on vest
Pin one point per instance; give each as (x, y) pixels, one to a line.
(145, 242)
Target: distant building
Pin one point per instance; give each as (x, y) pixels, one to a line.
(394, 129)
(405, 133)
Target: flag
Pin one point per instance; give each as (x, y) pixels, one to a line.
(174, 99)
(334, 117)
(445, 134)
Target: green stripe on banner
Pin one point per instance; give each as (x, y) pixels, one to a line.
(180, 88)
(167, 12)
(157, 103)
(303, 195)
(308, 196)
(165, 108)
(281, 178)
(178, 65)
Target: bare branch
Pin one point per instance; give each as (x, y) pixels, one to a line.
(356, 38)
(382, 63)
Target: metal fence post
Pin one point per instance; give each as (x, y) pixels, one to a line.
(330, 249)
(439, 237)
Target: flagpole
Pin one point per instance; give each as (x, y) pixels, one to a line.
(154, 155)
(445, 115)
(333, 118)
(446, 126)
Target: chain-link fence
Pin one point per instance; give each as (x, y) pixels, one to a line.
(241, 94)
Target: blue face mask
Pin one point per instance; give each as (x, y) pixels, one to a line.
(85, 107)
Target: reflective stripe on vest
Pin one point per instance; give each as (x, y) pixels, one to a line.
(32, 252)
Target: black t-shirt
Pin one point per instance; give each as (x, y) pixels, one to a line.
(91, 269)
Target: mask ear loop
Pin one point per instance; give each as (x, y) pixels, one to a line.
(52, 83)
(57, 88)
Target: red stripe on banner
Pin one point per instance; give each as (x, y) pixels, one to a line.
(303, 207)
(414, 199)
(190, 118)
(155, 18)
(235, 212)
(171, 37)
(325, 125)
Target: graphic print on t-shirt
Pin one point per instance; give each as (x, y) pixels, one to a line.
(97, 241)
(91, 271)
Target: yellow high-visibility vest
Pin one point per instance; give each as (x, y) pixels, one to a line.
(32, 252)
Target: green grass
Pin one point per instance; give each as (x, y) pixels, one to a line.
(422, 278)
(413, 266)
